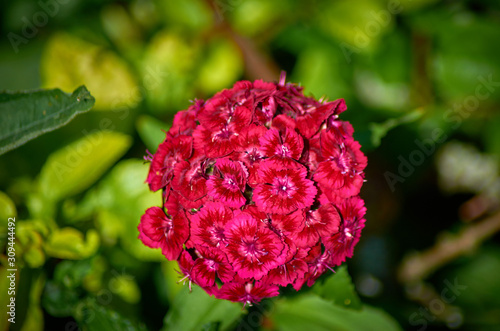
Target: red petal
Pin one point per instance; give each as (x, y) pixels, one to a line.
(283, 191)
(287, 145)
(208, 224)
(176, 237)
(215, 143)
(189, 180)
(171, 151)
(252, 251)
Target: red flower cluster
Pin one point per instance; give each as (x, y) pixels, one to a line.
(260, 184)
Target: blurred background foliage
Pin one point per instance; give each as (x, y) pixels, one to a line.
(421, 79)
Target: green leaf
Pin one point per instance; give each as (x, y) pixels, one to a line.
(310, 312)
(27, 115)
(34, 316)
(316, 69)
(193, 14)
(151, 131)
(168, 65)
(31, 235)
(69, 61)
(169, 281)
(4, 299)
(222, 66)
(196, 310)
(74, 168)
(58, 300)
(379, 130)
(69, 243)
(120, 199)
(7, 208)
(339, 289)
(352, 25)
(126, 288)
(71, 273)
(254, 17)
(491, 136)
(92, 316)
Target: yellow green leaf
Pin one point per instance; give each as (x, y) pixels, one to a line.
(222, 67)
(30, 235)
(74, 168)
(7, 207)
(69, 243)
(69, 62)
(166, 71)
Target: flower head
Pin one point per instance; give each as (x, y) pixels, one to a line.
(260, 190)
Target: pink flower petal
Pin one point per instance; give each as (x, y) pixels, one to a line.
(283, 191)
(208, 225)
(247, 293)
(165, 233)
(228, 183)
(252, 250)
(169, 153)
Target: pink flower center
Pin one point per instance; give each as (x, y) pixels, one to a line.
(230, 183)
(267, 108)
(347, 232)
(252, 249)
(195, 173)
(253, 155)
(211, 264)
(283, 187)
(321, 263)
(350, 229)
(216, 235)
(283, 151)
(166, 226)
(312, 219)
(224, 133)
(344, 161)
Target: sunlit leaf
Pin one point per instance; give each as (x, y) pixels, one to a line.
(310, 312)
(69, 62)
(170, 280)
(151, 131)
(317, 70)
(30, 235)
(193, 310)
(339, 289)
(69, 243)
(7, 208)
(193, 14)
(26, 115)
(119, 217)
(252, 17)
(359, 28)
(125, 287)
(93, 281)
(223, 65)
(34, 317)
(121, 27)
(166, 71)
(74, 168)
(4, 299)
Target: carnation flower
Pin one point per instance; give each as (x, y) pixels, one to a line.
(260, 191)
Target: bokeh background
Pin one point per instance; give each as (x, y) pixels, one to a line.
(421, 79)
